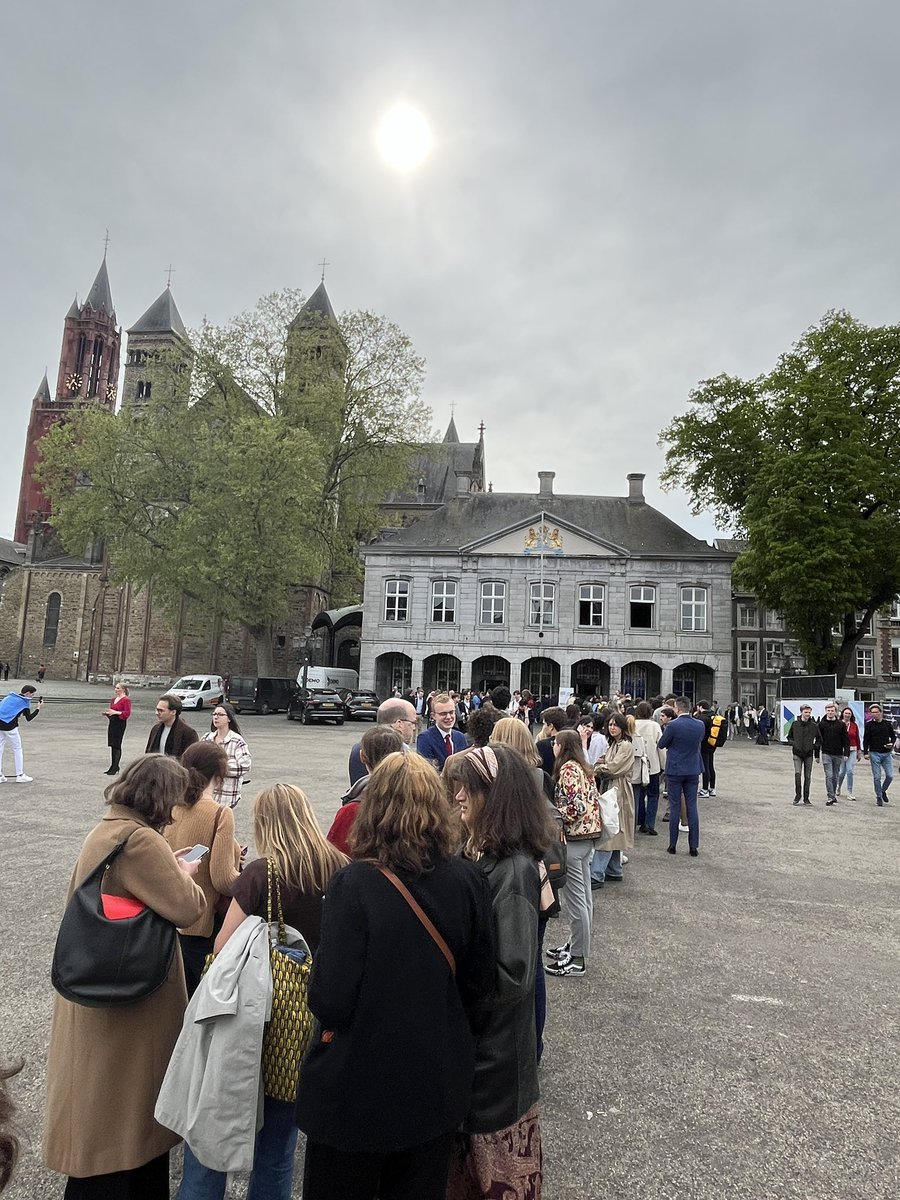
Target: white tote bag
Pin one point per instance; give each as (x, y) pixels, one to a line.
(609, 814)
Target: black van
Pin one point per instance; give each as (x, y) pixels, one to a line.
(248, 693)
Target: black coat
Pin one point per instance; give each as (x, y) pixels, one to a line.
(395, 1068)
(181, 735)
(506, 1082)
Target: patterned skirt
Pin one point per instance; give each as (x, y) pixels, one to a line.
(507, 1165)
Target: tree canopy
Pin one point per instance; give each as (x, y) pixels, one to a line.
(295, 431)
(802, 463)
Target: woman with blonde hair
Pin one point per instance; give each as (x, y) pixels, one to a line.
(406, 956)
(286, 834)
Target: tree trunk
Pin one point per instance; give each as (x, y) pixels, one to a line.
(262, 640)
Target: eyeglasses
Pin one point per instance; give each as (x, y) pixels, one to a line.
(405, 721)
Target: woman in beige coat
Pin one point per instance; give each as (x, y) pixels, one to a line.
(614, 770)
(105, 1065)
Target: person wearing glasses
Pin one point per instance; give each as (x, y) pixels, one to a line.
(441, 740)
(399, 715)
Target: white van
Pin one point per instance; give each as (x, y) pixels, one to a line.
(198, 689)
(333, 678)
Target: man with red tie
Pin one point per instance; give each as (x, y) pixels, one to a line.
(441, 740)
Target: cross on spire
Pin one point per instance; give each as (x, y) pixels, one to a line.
(169, 275)
(452, 409)
(323, 264)
(106, 243)
(481, 429)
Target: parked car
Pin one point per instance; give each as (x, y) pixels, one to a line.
(361, 706)
(314, 704)
(254, 693)
(196, 690)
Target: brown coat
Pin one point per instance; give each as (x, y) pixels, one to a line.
(220, 869)
(181, 735)
(614, 769)
(105, 1065)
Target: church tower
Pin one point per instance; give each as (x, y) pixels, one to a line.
(159, 358)
(88, 374)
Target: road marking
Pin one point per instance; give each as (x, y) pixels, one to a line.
(756, 999)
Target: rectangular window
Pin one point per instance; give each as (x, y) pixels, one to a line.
(774, 620)
(396, 600)
(443, 601)
(774, 657)
(642, 606)
(895, 658)
(693, 609)
(867, 627)
(865, 662)
(493, 603)
(748, 616)
(895, 609)
(543, 596)
(749, 655)
(590, 604)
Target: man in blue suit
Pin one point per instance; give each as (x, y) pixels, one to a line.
(681, 740)
(441, 740)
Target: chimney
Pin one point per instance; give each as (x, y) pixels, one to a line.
(545, 479)
(463, 483)
(636, 488)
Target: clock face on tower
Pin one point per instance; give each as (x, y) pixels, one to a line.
(74, 382)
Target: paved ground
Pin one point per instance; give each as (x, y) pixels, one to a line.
(736, 1035)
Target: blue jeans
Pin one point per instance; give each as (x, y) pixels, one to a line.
(831, 765)
(646, 797)
(606, 862)
(273, 1162)
(683, 785)
(881, 761)
(846, 772)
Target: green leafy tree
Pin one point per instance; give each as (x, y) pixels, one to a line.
(801, 462)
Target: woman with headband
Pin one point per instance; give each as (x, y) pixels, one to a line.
(508, 832)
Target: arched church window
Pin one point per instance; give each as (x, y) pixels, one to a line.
(51, 620)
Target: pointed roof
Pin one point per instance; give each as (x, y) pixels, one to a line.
(317, 305)
(43, 392)
(74, 310)
(451, 435)
(100, 296)
(161, 317)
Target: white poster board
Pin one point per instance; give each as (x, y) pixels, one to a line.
(789, 710)
(565, 696)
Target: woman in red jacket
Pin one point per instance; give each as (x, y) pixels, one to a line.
(117, 714)
(848, 765)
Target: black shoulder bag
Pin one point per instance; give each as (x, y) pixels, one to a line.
(102, 963)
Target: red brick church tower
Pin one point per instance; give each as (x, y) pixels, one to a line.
(88, 374)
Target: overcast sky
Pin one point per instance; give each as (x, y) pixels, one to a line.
(624, 197)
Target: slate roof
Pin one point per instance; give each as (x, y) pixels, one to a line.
(161, 317)
(451, 435)
(11, 552)
(43, 392)
(638, 528)
(74, 310)
(100, 296)
(731, 545)
(318, 304)
(435, 465)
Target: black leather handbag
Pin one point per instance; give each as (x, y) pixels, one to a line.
(103, 963)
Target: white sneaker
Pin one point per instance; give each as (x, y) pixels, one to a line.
(24, 779)
(683, 828)
(624, 859)
(2, 779)
(712, 791)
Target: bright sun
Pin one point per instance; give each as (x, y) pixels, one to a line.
(403, 137)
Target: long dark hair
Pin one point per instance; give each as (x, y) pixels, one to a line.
(512, 816)
(620, 723)
(205, 763)
(230, 714)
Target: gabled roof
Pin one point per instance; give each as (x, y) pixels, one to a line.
(74, 310)
(43, 392)
(637, 528)
(161, 317)
(100, 296)
(12, 553)
(434, 466)
(318, 305)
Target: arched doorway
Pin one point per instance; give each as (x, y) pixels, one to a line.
(490, 671)
(641, 680)
(348, 654)
(540, 676)
(392, 671)
(694, 681)
(441, 673)
(590, 677)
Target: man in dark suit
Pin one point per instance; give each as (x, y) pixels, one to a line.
(681, 740)
(399, 715)
(170, 735)
(441, 740)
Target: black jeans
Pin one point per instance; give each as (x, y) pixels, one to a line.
(193, 954)
(419, 1173)
(708, 757)
(802, 765)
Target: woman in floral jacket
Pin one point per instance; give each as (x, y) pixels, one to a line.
(579, 805)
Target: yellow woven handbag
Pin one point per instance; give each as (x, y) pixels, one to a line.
(288, 1032)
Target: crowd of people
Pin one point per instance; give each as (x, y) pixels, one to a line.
(835, 741)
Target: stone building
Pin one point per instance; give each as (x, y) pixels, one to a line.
(542, 590)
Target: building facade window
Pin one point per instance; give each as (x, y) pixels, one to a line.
(443, 601)
(493, 603)
(446, 673)
(51, 620)
(144, 389)
(543, 599)
(895, 609)
(774, 620)
(865, 662)
(774, 656)
(748, 656)
(642, 606)
(590, 604)
(895, 658)
(396, 600)
(693, 609)
(747, 616)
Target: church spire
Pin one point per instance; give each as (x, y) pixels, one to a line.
(100, 296)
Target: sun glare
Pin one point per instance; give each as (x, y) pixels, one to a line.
(403, 137)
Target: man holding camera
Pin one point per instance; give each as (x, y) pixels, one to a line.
(13, 706)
